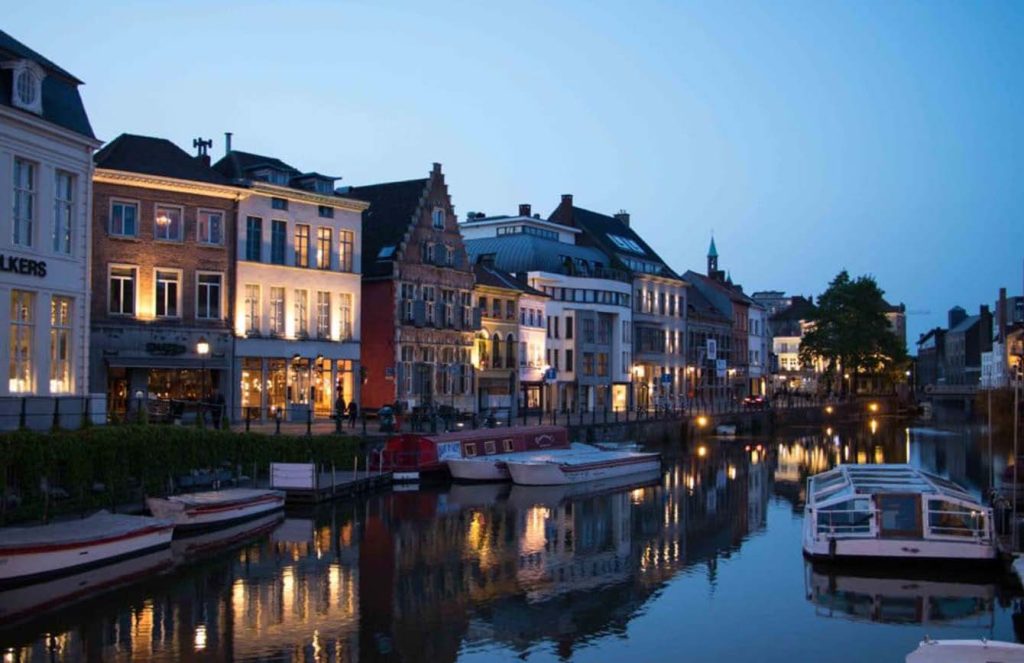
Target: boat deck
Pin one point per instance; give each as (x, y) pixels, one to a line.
(334, 485)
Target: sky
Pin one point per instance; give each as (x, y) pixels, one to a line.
(886, 138)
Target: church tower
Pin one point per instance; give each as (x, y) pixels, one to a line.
(712, 259)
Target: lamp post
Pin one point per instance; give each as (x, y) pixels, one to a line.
(202, 349)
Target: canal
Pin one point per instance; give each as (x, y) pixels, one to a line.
(701, 564)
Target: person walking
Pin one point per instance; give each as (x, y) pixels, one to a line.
(353, 412)
(339, 410)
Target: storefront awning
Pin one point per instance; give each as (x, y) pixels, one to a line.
(213, 363)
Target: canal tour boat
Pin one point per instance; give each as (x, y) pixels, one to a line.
(581, 467)
(410, 456)
(32, 554)
(215, 508)
(493, 468)
(896, 512)
(966, 651)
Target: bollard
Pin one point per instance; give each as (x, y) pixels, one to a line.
(56, 413)
(85, 412)
(21, 416)
(277, 422)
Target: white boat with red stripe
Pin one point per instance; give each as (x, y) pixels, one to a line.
(215, 508)
(582, 467)
(33, 554)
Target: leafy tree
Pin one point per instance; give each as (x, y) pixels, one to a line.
(850, 332)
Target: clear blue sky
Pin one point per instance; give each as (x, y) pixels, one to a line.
(884, 137)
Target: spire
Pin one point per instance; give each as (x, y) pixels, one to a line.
(712, 259)
(712, 251)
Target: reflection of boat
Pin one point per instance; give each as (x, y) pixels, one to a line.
(524, 497)
(216, 507)
(899, 600)
(582, 467)
(966, 651)
(725, 430)
(29, 554)
(463, 495)
(214, 541)
(409, 455)
(29, 600)
(494, 468)
(896, 512)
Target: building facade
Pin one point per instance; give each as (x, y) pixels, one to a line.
(759, 345)
(46, 147)
(419, 324)
(295, 306)
(163, 230)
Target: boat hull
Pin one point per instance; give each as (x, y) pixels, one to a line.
(192, 517)
(899, 549)
(482, 469)
(558, 474)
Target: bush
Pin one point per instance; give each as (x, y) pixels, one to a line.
(103, 466)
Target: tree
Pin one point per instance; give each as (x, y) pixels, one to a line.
(850, 331)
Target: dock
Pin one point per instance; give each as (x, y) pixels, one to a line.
(304, 483)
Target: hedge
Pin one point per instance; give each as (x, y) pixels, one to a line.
(105, 466)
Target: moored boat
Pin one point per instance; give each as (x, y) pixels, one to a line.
(493, 468)
(582, 467)
(32, 554)
(524, 497)
(858, 512)
(966, 651)
(215, 508)
(218, 540)
(410, 456)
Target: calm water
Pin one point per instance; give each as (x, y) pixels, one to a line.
(701, 564)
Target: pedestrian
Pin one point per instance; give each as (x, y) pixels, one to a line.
(353, 412)
(339, 407)
(218, 409)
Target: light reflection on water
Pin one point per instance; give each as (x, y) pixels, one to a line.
(703, 559)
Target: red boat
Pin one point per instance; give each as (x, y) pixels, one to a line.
(408, 456)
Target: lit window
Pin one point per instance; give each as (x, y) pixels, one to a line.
(22, 332)
(60, 344)
(167, 223)
(323, 248)
(301, 313)
(301, 245)
(345, 250)
(252, 308)
(345, 316)
(323, 314)
(277, 311)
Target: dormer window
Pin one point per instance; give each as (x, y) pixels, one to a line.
(26, 93)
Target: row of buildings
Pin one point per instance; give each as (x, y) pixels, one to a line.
(139, 271)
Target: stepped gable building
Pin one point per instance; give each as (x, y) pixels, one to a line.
(46, 147)
(418, 323)
(659, 303)
(588, 318)
(296, 301)
(163, 234)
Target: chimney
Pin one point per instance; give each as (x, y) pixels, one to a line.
(436, 170)
(567, 199)
(524, 209)
(227, 142)
(623, 216)
(956, 316)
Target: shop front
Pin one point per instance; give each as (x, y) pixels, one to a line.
(295, 387)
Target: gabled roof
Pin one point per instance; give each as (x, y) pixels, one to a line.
(237, 165)
(700, 307)
(800, 308)
(392, 206)
(488, 275)
(528, 253)
(61, 103)
(155, 156)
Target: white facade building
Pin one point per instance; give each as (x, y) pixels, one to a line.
(46, 147)
(759, 346)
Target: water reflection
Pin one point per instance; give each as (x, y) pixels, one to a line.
(438, 573)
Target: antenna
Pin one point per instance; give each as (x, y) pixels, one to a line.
(202, 145)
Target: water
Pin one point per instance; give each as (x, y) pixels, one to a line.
(701, 564)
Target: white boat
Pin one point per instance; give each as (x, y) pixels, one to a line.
(966, 651)
(492, 468)
(582, 467)
(32, 554)
(216, 507)
(894, 512)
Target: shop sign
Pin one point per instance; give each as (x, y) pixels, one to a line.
(165, 349)
(24, 266)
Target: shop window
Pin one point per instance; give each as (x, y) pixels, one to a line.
(60, 344)
(21, 341)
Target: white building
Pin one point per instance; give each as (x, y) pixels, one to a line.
(759, 347)
(297, 290)
(46, 147)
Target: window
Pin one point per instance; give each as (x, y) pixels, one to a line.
(22, 331)
(278, 241)
(60, 344)
(604, 329)
(325, 212)
(428, 253)
(408, 295)
(210, 228)
(124, 219)
(208, 295)
(555, 321)
(323, 314)
(568, 361)
(253, 238)
(428, 297)
(122, 290)
(496, 351)
(438, 218)
(168, 291)
(301, 313)
(301, 245)
(24, 201)
(63, 212)
(602, 364)
(588, 363)
(252, 308)
(277, 311)
(588, 330)
(278, 203)
(345, 316)
(27, 85)
(167, 223)
(345, 240)
(510, 309)
(510, 352)
(323, 248)
(523, 353)
(496, 308)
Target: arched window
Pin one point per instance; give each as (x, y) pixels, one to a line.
(496, 350)
(510, 351)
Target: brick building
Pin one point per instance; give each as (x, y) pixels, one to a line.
(419, 321)
(162, 251)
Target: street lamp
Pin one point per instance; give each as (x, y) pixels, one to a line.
(202, 349)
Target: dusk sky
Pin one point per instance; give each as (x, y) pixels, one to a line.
(883, 137)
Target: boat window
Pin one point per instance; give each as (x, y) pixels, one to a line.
(470, 449)
(900, 514)
(823, 484)
(489, 447)
(507, 445)
(849, 517)
(952, 519)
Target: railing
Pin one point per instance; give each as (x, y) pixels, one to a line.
(977, 529)
(852, 521)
